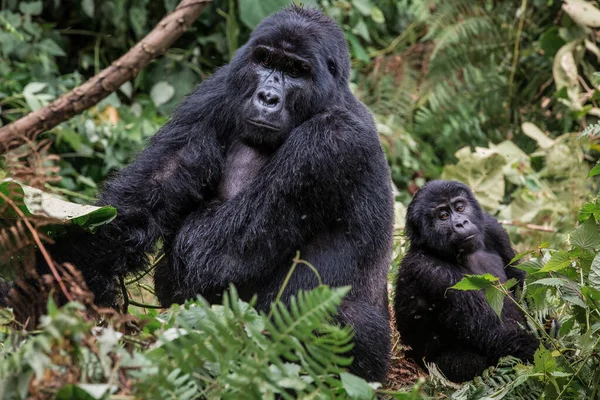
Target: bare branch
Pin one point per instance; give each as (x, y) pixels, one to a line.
(528, 226)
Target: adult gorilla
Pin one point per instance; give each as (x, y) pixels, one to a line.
(450, 236)
(271, 155)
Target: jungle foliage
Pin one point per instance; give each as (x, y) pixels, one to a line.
(502, 95)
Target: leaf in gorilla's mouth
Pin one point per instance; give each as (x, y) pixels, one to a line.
(262, 124)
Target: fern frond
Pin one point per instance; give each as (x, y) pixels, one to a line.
(234, 353)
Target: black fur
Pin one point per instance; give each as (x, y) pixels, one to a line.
(234, 201)
(457, 330)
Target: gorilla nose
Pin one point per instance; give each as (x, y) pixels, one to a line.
(267, 98)
(463, 223)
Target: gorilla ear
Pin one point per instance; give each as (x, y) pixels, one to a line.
(331, 67)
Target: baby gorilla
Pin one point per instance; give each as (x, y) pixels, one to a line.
(450, 236)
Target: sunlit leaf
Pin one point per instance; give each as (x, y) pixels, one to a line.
(475, 282)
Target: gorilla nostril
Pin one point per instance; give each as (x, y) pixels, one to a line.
(268, 98)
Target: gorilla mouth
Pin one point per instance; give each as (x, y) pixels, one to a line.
(469, 238)
(264, 125)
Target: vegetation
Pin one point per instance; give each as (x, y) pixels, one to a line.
(501, 95)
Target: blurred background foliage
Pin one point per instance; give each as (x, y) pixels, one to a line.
(490, 92)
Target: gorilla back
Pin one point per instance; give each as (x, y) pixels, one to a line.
(450, 236)
(271, 155)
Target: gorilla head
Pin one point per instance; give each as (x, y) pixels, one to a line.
(294, 63)
(445, 216)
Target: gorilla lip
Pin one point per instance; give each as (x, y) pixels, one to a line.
(261, 124)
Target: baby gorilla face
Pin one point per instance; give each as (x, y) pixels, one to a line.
(455, 218)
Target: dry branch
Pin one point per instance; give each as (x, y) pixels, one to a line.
(171, 27)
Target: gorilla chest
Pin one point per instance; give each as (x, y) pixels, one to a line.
(242, 165)
(483, 262)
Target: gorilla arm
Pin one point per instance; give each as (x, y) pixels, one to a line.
(302, 188)
(486, 333)
(179, 167)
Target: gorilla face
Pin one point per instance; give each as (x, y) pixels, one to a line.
(446, 217)
(454, 218)
(289, 71)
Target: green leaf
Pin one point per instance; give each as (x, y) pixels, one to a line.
(356, 387)
(588, 210)
(586, 236)
(521, 255)
(475, 282)
(363, 6)
(88, 7)
(358, 51)
(543, 362)
(74, 392)
(559, 260)
(50, 47)
(594, 171)
(495, 299)
(594, 276)
(252, 12)
(591, 293)
(161, 93)
(555, 282)
(138, 16)
(31, 7)
(377, 15)
(6, 316)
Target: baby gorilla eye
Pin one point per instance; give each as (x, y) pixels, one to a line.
(460, 207)
(294, 72)
(444, 216)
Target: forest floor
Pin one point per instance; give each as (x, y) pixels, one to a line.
(402, 372)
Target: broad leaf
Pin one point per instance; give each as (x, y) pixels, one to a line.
(582, 12)
(495, 299)
(356, 387)
(560, 260)
(32, 201)
(475, 282)
(586, 236)
(161, 93)
(594, 276)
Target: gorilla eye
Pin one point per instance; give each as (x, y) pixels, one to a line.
(266, 62)
(444, 216)
(294, 72)
(460, 208)
(331, 67)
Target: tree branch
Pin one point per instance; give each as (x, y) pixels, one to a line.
(169, 29)
(528, 226)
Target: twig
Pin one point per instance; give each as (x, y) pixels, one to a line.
(135, 303)
(528, 226)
